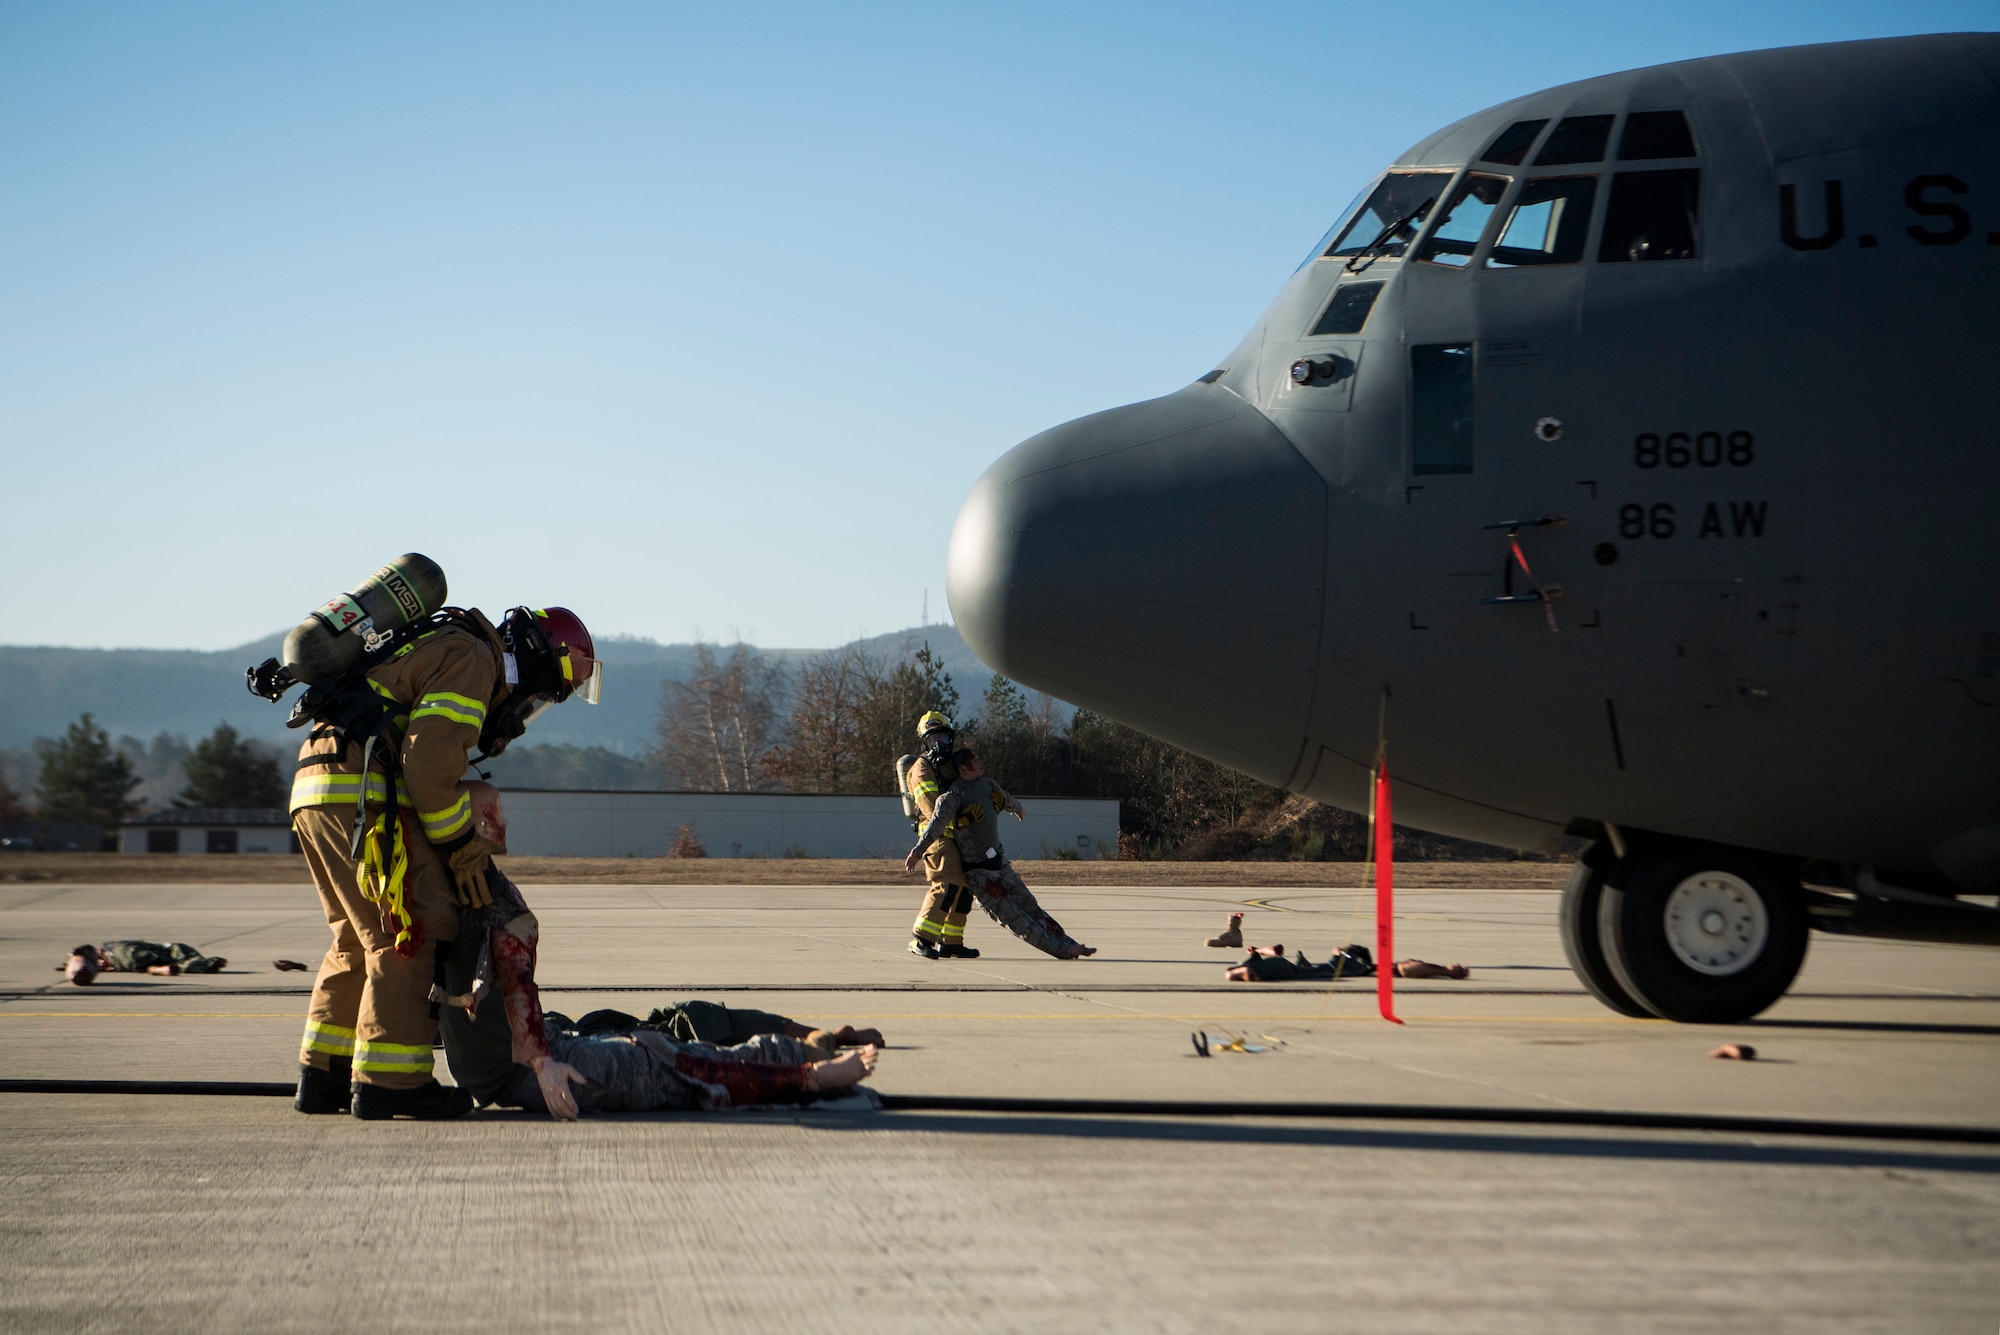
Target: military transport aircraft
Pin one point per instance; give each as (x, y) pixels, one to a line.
(1626, 456)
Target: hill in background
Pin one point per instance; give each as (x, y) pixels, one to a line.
(144, 692)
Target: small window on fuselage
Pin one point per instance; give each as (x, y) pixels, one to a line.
(1548, 223)
(1441, 408)
(1458, 232)
(1348, 311)
(1652, 216)
(1576, 139)
(1511, 148)
(1392, 215)
(1655, 134)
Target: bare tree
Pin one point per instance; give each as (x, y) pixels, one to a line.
(824, 747)
(715, 727)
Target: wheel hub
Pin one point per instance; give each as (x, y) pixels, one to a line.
(1716, 923)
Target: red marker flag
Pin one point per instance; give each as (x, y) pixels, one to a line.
(1385, 896)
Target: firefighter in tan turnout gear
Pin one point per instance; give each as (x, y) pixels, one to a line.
(939, 932)
(386, 825)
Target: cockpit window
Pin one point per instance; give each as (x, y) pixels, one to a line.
(1458, 232)
(1576, 139)
(1392, 215)
(1325, 245)
(1348, 310)
(1655, 134)
(1652, 216)
(1511, 148)
(1548, 223)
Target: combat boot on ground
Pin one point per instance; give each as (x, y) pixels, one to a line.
(428, 1102)
(325, 1091)
(920, 946)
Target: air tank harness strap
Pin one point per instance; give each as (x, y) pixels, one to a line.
(384, 872)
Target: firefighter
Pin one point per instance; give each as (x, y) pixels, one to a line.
(939, 932)
(446, 686)
(968, 814)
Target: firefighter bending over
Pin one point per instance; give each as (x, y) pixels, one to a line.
(387, 830)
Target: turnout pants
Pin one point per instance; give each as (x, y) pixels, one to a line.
(370, 1003)
(1009, 902)
(941, 921)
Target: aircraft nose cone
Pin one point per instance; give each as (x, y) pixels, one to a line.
(1159, 563)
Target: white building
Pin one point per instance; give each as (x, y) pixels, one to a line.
(548, 823)
(552, 823)
(209, 830)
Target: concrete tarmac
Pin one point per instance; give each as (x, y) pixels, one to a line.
(218, 1213)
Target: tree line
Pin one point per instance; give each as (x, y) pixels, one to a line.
(82, 776)
(836, 724)
(743, 722)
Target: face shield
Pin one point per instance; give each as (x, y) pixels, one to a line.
(585, 677)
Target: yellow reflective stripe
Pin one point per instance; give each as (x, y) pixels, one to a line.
(317, 788)
(382, 691)
(925, 788)
(954, 929)
(457, 708)
(331, 1039)
(447, 823)
(393, 1057)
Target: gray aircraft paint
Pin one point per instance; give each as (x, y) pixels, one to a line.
(1800, 655)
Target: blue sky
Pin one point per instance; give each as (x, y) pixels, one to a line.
(701, 321)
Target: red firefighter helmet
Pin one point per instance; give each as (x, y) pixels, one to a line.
(575, 656)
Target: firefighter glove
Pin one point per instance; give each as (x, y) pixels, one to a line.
(470, 859)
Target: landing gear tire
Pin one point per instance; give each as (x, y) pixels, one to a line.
(1580, 899)
(1701, 935)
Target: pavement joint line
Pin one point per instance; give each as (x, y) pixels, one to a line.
(1379, 1112)
(1203, 1018)
(1206, 1017)
(1363, 987)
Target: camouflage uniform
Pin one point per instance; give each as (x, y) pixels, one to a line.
(139, 956)
(646, 1071)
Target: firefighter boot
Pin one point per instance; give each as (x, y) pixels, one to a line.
(926, 948)
(325, 1091)
(428, 1102)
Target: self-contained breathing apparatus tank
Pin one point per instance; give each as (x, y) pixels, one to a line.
(334, 636)
(911, 811)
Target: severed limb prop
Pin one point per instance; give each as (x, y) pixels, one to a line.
(514, 962)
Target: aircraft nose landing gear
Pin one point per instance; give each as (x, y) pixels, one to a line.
(1684, 931)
